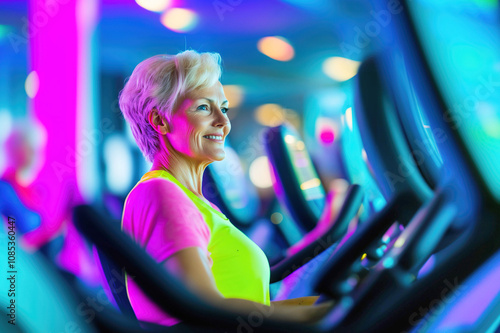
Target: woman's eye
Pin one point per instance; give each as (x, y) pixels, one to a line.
(224, 110)
(202, 107)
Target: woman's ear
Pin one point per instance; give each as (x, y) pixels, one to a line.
(158, 122)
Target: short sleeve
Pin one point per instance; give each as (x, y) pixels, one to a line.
(162, 218)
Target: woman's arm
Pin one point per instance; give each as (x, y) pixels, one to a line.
(191, 265)
(307, 300)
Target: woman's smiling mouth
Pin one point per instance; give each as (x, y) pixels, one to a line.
(216, 138)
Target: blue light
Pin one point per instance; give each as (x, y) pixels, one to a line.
(119, 164)
(388, 262)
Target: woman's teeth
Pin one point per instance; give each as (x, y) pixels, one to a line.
(214, 137)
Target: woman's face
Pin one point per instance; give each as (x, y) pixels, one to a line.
(199, 126)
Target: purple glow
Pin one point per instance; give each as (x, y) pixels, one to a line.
(427, 267)
(474, 297)
(261, 234)
(75, 258)
(301, 162)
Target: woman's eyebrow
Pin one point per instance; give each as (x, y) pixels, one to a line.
(212, 101)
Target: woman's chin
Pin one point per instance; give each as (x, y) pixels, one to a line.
(219, 157)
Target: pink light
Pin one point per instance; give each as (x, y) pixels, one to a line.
(56, 54)
(327, 136)
(327, 130)
(54, 106)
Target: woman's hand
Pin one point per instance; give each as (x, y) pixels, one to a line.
(303, 309)
(316, 312)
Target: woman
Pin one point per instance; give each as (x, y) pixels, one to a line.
(177, 111)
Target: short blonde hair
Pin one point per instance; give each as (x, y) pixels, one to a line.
(161, 82)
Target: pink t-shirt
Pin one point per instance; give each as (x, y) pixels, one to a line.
(164, 217)
(163, 220)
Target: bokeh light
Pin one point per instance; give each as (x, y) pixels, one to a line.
(5, 128)
(276, 47)
(364, 156)
(5, 124)
(292, 117)
(119, 164)
(234, 95)
(326, 136)
(348, 118)
(326, 130)
(311, 183)
(270, 114)
(260, 175)
(154, 5)
(300, 145)
(340, 69)
(289, 139)
(179, 19)
(32, 84)
(339, 185)
(276, 218)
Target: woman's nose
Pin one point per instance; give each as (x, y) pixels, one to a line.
(220, 118)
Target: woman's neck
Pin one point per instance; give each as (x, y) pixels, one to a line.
(188, 172)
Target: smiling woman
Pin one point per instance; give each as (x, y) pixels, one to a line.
(162, 84)
(177, 111)
(198, 127)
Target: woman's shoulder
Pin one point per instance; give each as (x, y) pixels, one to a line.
(158, 189)
(160, 200)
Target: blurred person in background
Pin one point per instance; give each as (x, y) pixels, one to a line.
(60, 242)
(16, 199)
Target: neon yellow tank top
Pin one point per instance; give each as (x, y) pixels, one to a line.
(240, 267)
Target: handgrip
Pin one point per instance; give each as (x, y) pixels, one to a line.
(340, 263)
(350, 207)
